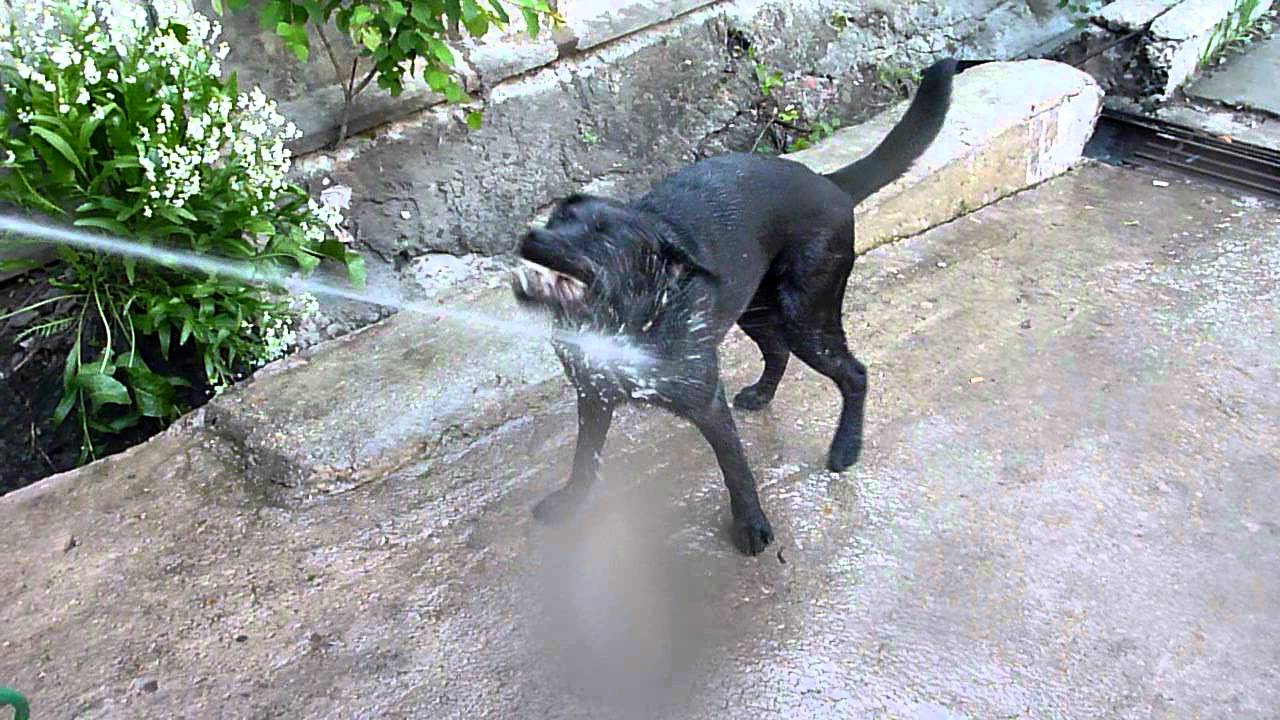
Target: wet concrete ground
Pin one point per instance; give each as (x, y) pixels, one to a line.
(1069, 507)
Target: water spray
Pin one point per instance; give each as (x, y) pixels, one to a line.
(602, 349)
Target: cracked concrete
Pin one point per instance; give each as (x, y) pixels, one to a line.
(1067, 508)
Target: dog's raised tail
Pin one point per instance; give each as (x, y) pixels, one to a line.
(907, 140)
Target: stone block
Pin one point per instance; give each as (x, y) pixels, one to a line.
(1011, 126)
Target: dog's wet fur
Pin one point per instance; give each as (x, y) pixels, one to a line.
(762, 242)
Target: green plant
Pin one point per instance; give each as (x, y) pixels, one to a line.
(1233, 30)
(767, 79)
(1079, 10)
(393, 36)
(817, 132)
(898, 77)
(124, 125)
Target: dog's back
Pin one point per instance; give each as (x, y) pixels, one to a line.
(742, 213)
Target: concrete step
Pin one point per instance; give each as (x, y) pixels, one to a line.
(1011, 126)
(352, 409)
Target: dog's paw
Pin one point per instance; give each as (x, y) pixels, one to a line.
(558, 507)
(752, 534)
(843, 456)
(751, 398)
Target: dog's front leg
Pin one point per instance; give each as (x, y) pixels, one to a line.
(595, 414)
(751, 529)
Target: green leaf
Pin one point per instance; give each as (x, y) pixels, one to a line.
(531, 19)
(164, 333)
(109, 224)
(20, 264)
(71, 367)
(394, 12)
(101, 388)
(58, 144)
(217, 7)
(437, 80)
(361, 14)
(153, 394)
(475, 119)
(370, 38)
(441, 52)
(355, 269)
(454, 93)
(295, 38)
(60, 413)
(477, 26)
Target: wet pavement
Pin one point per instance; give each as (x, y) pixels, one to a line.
(1068, 507)
(1246, 80)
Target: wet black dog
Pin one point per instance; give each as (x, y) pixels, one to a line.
(762, 242)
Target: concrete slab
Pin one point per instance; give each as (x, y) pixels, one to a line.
(1247, 80)
(1011, 126)
(1068, 508)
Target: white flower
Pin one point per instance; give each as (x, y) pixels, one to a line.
(61, 57)
(146, 211)
(10, 157)
(113, 76)
(91, 73)
(64, 109)
(83, 97)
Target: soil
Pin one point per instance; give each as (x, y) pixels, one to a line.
(31, 386)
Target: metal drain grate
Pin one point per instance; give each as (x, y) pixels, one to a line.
(1126, 139)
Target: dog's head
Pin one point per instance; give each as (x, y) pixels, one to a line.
(600, 264)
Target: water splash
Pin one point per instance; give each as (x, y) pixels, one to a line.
(605, 350)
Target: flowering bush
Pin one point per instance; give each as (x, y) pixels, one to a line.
(126, 125)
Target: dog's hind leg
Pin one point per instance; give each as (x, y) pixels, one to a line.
(751, 529)
(595, 414)
(762, 324)
(828, 354)
(814, 332)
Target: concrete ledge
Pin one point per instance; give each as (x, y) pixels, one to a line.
(330, 418)
(1011, 126)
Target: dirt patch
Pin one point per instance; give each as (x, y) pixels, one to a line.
(31, 369)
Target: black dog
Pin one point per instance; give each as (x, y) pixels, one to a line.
(762, 242)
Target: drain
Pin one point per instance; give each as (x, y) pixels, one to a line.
(1124, 138)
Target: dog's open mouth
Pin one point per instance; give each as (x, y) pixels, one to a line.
(538, 284)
